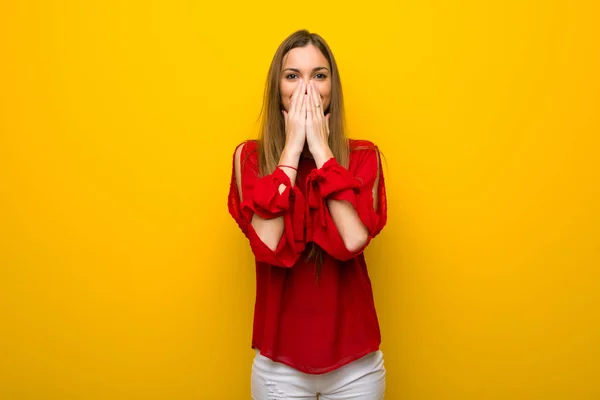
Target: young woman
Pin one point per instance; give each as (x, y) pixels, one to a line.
(310, 200)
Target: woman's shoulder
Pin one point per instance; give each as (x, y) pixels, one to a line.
(247, 146)
(246, 150)
(361, 144)
(362, 153)
(246, 156)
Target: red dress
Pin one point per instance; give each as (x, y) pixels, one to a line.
(313, 327)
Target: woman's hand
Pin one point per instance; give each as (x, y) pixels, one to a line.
(295, 121)
(317, 127)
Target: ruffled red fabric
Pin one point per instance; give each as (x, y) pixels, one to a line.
(260, 195)
(312, 327)
(355, 185)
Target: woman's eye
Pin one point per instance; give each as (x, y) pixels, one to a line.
(291, 76)
(321, 76)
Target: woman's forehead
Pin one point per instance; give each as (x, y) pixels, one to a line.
(305, 58)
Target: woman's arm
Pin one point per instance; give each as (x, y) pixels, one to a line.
(269, 231)
(345, 204)
(353, 232)
(268, 209)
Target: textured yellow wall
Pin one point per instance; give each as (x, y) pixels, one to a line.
(123, 276)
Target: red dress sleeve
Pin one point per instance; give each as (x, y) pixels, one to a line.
(355, 185)
(260, 195)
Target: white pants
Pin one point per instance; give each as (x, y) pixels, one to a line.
(363, 379)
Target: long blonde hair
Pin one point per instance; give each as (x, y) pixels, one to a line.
(272, 130)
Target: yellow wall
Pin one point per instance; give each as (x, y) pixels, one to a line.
(124, 277)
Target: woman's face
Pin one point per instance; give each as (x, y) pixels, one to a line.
(309, 64)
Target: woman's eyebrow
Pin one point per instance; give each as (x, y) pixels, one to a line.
(314, 69)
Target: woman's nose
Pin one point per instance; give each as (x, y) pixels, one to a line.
(307, 82)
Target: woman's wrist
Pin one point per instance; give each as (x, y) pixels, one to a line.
(290, 159)
(321, 155)
(290, 156)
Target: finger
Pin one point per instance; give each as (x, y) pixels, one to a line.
(317, 101)
(303, 108)
(310, 105)
(318, 113)
(301, 99)
(295, 96)
(327, 121)
(284, 116)
(296, 100)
